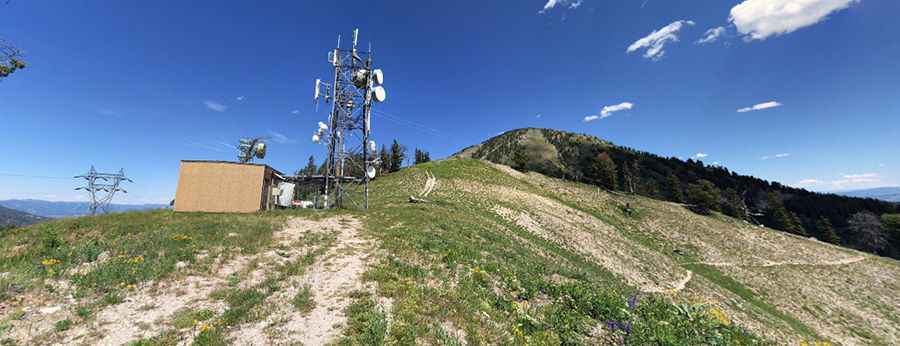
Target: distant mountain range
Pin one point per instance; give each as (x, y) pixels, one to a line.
(50, 209)
(890, 194)
(18, 218)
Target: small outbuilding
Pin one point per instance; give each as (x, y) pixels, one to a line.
(230, 187)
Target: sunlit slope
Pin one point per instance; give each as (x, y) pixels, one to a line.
(528, 227)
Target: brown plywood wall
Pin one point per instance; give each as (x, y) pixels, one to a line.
(220, 187)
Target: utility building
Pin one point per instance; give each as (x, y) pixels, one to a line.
(228, 187)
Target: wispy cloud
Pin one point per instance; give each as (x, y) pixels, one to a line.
(760, 106)
(551, 4)
(296, 111)
(240, 98)
(760, 19)
(216, 106)
(711, 35)
(539, 115)
(809, 182)
(776, 156)
(701, 155)
(217, 146)
(280, 138)
(657, 40)
(846, 181)
(607, 111)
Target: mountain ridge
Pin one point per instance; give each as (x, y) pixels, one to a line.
(9, 216)
(585, 158)
(58, 209)
(884, 193)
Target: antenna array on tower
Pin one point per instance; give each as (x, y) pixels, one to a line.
(347, 134)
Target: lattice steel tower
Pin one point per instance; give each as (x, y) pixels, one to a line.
(351, 151)
(102, 187)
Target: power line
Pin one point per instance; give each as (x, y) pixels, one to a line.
(409, 123)
(31, 176)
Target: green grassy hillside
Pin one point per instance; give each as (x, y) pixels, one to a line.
(493, 256)
(588, 159)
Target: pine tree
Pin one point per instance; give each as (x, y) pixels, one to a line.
(310, 168)
(385, 157)
(422, 156)
(733, 205)
(398, 153)
(866, 228)
(781, 218)
(605, 171)
(673, 187)
(704, 196)
(826, 231)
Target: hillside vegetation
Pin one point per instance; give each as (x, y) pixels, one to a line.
(492, 256)
(12, 218)
(852, 222)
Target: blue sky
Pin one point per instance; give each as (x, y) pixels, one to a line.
(141, 85)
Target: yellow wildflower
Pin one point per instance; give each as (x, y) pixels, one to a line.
(50, 262)
(180, 237)
(136, 260)
(720, 315)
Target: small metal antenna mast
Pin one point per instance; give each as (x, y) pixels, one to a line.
(351, 161)
(102, 187)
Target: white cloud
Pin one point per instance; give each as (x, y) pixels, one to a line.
(240, 98)
(296, 111)
(551, 4)
(809, 182)
(776, 156)
(213, 105)
(847, 181)
(711, 35)
(280, 138)
(760, 106)
(701, 155)
(607, 111)
(657, 40)
(759, 19)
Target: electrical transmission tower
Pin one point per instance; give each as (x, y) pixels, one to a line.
(351, 157)
(102, 187)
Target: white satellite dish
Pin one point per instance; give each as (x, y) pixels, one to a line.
(372, 146)
(379, 94)
(315, 138)
(322, 126)
(260, 150)
(370, 172)
(378, 76)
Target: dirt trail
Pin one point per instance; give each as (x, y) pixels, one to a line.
(839, 262)
(330, 281)
(149, 310)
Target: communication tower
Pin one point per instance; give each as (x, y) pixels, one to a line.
(351, 159)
